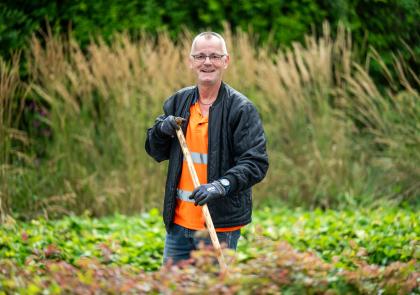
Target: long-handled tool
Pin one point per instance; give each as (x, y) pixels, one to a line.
(206, 212)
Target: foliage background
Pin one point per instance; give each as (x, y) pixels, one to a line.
(385, 25)
(80, 82)
(339, 102)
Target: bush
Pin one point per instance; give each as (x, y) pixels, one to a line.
(379, 237)
(86, 261)
(373, 23)
(278, 269)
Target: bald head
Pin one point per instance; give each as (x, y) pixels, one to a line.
(208, 36)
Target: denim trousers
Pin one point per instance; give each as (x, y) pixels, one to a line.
(180, 241)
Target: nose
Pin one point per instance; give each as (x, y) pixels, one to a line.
(207, 60)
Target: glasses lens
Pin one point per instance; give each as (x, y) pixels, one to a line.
(201, 58)
(212, 57)
(215, 57)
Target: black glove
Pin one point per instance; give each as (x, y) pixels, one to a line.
(207, 192)
(169, 126)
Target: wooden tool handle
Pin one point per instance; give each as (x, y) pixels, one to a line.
(206, 212)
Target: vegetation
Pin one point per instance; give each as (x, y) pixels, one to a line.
(341, 111)
(293, 251)
(335, 138)
(12, 95)
(385, 25)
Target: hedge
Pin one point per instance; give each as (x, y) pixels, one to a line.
(381, 24)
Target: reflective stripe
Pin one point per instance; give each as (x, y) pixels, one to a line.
(199, 158)
(183, 195)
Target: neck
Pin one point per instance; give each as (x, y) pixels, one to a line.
(208, 93)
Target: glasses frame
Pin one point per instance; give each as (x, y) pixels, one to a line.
(214, 58)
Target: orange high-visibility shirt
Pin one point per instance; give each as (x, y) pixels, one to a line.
(186, 213)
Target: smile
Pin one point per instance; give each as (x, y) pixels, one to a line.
(207, 70)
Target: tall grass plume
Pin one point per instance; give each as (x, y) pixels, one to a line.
(334, 138)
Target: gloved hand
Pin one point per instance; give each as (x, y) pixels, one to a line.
(169, 126)
(207, 192)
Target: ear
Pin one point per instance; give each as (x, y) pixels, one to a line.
(227, 60)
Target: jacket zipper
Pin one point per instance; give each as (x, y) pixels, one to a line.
(209, 145)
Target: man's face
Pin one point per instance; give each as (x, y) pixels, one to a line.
(209, 70)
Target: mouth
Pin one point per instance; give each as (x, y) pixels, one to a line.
(207, 70)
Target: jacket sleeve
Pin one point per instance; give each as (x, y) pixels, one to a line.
(249, 149)
(157, 144)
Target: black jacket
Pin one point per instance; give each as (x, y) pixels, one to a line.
(237, 151)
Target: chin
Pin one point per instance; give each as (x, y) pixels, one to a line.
(207, 81)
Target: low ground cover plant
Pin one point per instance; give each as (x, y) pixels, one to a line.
(279, 268)
(372, 251)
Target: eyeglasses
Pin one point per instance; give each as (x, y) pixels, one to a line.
(214, 58)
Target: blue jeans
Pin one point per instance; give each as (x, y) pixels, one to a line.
(180, 241)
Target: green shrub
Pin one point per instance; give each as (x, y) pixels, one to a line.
(279, 270)
(376, 237)
(282, 251)
(374, 23)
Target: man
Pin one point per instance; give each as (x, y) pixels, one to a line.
(228, 146)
